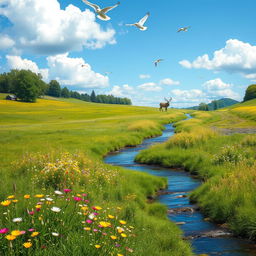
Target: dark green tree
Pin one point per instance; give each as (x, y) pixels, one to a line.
(250, 92)
(93, 97)
(215, 104)
(65, 92)
(54, 89)
(203, 106)
(27, 86)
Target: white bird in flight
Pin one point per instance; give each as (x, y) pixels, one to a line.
(140, 24)
(185, 29)
(157, 61)
(101, 12)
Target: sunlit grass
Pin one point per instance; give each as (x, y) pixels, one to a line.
(58, 144)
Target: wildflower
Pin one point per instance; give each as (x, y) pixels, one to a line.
(22, 232)
(55, 209)
(38, 206)
(39, 195)
(97, 246)
(111, 216)
(17, 220)
(5, 203)
(55, 234)
(15, 233)
(87, 229)
(96, 208)
(31, 230)
(89, 221)
(95, 230)
(67, 190)
(34, 234)
(10, 237)
(105, 224)
(122, 222)
(123, 235)
(113, 237)
(15, 201)
(91, 216)
(26, 196)
(117, 245)
(49, 199)
(77, 198)
(120, 230)
(11, 197)
(84, 208)
(129, 249)
(4, 230)
(27, 244)
(31, 213)
(57, 192)
(120, 254)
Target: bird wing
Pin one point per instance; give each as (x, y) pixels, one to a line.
(144, 19)
(107, 9)
(129, 24)
(180, 29)
(94, 6)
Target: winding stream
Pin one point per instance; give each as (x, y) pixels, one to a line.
(206, 237)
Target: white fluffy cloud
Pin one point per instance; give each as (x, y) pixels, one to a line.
(5, 42)
(169, 81)
(212, 89)
(236, 56)
(144, 76)
(150, 87)
(75, 72)
(43, 27)
(217, 88)
(122, 91)
(16, 62)
(68, 71)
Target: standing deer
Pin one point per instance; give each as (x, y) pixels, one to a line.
(165, 104)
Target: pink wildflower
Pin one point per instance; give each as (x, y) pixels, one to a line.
(89, 221)
(31, 230)
(4, 230)
(67, 190)
(77, 198)
(31, 213)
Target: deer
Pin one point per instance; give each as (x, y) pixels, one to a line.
(165, 104)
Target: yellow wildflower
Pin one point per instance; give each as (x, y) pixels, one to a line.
(97, 208)
(34, 234)
(27, 244)
(113, 237)
(84, 208)
(39, 195)
(123, 235)
(87, 228)
(5, 203)
(11, 197)
(16, 233)
(111, 216)
(122, 222)
(10, 237)
(15, 201)
(120, 254)
(97, 246)
(105, 224)
(38, 206)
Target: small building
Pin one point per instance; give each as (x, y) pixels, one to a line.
(11, 97)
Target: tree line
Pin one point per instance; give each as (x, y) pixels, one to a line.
(28, 86)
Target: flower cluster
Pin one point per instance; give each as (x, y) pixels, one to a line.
(36, 222)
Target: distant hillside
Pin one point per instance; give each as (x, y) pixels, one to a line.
(222, 103)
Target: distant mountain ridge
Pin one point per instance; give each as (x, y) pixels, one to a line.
(221, 103)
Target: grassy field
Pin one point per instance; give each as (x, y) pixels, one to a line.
(214, 146)
(57, 195)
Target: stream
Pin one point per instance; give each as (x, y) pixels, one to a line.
(206, 237)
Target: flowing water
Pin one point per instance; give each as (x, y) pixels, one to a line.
(205, 237)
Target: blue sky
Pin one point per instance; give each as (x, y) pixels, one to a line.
(216, 58)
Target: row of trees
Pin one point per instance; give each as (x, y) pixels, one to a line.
(55, 90)
(28, 86)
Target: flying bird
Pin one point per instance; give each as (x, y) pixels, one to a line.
(101, 12)
(185, 29)
(140, 24)
(157, 61)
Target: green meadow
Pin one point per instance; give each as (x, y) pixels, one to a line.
(57, 195)
(219, 147)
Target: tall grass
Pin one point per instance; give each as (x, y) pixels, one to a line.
(227, 164)
(59, 144)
